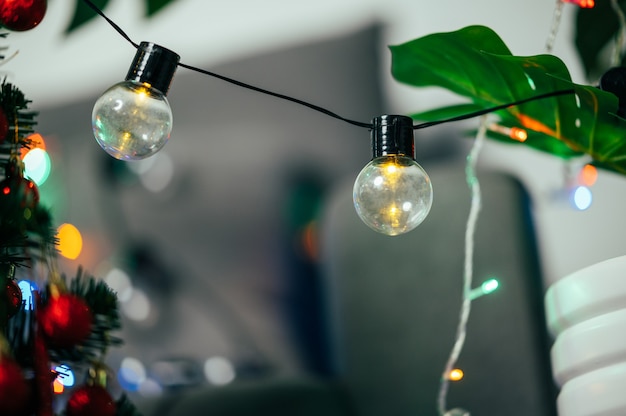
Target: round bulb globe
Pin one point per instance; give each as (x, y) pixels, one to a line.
(392, 194)
(131, 120)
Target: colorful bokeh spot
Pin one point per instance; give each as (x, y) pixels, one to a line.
(70, 241)
(37, 166)
(585, 4)
(588, 175)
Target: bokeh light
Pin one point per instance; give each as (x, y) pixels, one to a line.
(138, 307)
(588, 175)
(37, 166)
(70, 241)
(219, 371)
(582, 198)
(131, 374)
(36, 142)
(27, 288)
(119, 281)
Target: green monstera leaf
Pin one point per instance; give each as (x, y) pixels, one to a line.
(476, 64)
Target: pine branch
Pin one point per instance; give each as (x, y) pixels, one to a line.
(125, 407)
(106, 319)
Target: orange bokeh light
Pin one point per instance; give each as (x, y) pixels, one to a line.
(36, 142)
(588, 175)
(70, 241)
(58, 386)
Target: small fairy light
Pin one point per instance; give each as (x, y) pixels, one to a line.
(456, 375)
(583, 4)
(487, 287)
(515, 133)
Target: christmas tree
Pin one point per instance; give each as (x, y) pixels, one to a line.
(59, 322)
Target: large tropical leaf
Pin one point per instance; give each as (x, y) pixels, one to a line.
(475, 63)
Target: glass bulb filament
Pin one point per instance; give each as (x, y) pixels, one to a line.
(392, 194)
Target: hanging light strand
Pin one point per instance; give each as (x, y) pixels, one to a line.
(620, 41)
(322, 109)
(476, 203)
(556, 23)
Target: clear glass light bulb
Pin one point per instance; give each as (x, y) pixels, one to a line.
(392, 194)
(131, 120)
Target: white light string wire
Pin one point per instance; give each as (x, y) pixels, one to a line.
(476, 203)
(556, 23)
(621, 35)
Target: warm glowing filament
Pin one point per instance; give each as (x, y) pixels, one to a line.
(456, 374)
(391, 169)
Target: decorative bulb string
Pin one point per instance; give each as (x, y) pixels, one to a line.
(322, 109)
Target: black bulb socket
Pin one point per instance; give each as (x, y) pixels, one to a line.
(393, 135)
(154, 65)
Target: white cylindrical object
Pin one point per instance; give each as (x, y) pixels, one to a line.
(592, 344)
(589, 292)
(598, 393)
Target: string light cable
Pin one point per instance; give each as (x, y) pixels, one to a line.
(620, 41)
(556, 23)
(468, 266)
(322, 109)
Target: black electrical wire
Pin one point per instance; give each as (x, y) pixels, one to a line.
(322, 109)
(496, 108)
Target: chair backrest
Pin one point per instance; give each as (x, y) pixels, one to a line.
(394, 304)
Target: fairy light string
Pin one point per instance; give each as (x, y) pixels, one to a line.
(621, 36)
(468, 264)
(556, 23)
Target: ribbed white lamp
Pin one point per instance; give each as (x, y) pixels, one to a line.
(586, 313)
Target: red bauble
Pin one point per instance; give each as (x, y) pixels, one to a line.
(90, 401)
(4, 126)
(14, 297)
(65, 320)
(21, 191)
(21, 15)
(14, 392)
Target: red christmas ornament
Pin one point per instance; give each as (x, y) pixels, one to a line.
(21, 15)
(4, 126)
(65, 320)
(23, 191)
(90, 401)
(14, 392)
(14, 297)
